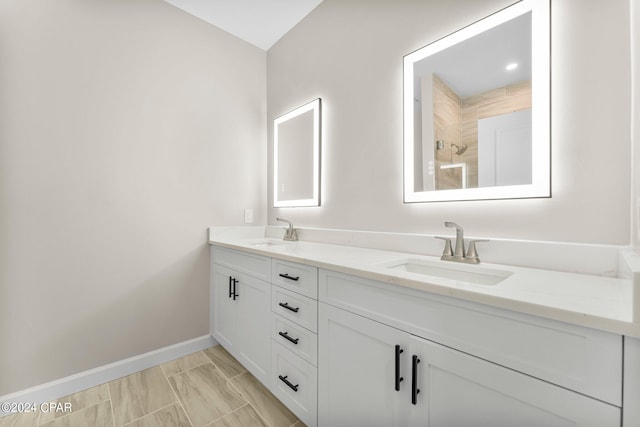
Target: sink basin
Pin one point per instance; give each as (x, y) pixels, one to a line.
(269, 243)
(460, 272)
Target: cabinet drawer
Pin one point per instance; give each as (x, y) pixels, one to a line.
(295, 307)
(299, 340)
(295, 382)
(299, 278)
(578, 358)
(255, 265)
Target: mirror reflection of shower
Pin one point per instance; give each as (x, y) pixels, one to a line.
(459, 150)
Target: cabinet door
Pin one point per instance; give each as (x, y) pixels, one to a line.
(223, 314)
(356, 370)
(459, 390)
(253, 300)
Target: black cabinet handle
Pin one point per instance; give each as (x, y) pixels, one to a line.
(291, 386)
(235, 293)
(286, 336)
(288, 307)
(398, 377)
(230, 293)
(286, 276)
(414, 379)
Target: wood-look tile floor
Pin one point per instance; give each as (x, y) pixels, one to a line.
(204, 389)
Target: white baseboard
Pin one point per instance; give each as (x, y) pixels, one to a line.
(53, 390)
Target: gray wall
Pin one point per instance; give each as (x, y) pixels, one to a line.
(126, 129)
(349, 53)
(635, 130)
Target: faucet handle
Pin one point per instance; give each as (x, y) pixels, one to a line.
(472, 252)
(291, 235)
(448, 250)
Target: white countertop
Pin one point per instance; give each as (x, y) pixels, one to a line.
(598, 302)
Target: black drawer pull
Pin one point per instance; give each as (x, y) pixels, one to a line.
(288, 307)
(286, 336)
(230, 293)
(235, 293)
(286, 276)
(414, 379)
(398, 377)
(291, 386)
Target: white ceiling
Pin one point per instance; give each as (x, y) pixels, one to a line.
(259, 22)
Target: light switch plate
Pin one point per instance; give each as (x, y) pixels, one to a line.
(248, 216)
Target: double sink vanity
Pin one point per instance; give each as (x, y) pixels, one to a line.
(347, 335)
(378, 329)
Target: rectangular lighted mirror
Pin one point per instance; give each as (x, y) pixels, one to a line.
(296, 157)
(477, 110)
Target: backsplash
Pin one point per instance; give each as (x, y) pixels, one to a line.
(600, 260)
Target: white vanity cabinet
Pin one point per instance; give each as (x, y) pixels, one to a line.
(373, 359)
(241, 312)
(294, 306)
(375, 375)
(265, 313)
(339, 349)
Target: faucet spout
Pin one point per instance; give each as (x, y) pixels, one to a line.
(459, 251)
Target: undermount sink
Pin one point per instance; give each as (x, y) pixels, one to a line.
(461, 272)
(269, 243)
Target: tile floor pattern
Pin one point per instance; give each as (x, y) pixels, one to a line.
(204, 389)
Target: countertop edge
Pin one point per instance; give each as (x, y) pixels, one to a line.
(573, 317)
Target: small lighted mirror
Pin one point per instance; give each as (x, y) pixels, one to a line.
(296, 157)
(477, 110)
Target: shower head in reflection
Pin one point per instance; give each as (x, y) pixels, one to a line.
(459, 150)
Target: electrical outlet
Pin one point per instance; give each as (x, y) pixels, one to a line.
(248, 216)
